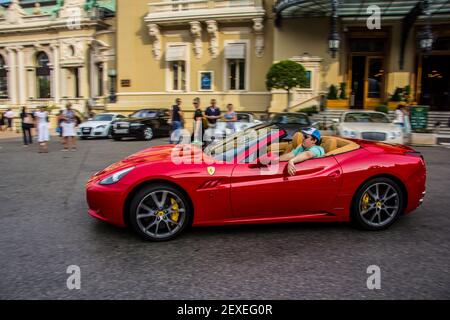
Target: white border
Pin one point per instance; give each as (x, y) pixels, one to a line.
(199, 82)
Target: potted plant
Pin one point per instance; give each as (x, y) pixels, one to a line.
(332, 98)
(396, 98)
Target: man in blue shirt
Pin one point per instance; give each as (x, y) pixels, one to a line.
(309, 149)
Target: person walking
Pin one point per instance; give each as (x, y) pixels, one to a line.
(2, 121)
(9, 115)
(400, 116)
(27, 124)
(177, 119)
(68, 122)
(230, 118)
(41, 123)
(198, 122)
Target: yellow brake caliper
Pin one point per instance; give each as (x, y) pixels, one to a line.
(175, 210)
(365, 200)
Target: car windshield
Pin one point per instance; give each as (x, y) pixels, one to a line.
(144, 114)
(103, 117)
(366, 117)
(243, 117)
(291, 119)
(226, 150)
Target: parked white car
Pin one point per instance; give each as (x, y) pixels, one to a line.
(368, 125)
(98, 126)
(244, 120)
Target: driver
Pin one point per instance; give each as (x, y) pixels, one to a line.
(309, 149)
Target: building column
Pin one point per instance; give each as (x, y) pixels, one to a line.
(12, 74)
(56, 74)
(22, 76)
(106, 66)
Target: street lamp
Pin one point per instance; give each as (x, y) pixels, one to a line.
(425, 37)
(333, 38)
(112, 74)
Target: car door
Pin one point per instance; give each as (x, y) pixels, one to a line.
(163, 119)
(256, 192)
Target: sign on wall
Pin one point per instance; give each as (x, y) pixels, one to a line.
(125, 83)
(206, 80)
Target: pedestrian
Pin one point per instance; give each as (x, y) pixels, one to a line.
(27, 124)
(177, 119)
(212, 113)
(59, 120)
(41, 124)
(198, 122)
(68, 123)
(2, 121)
(9, 115)
(400, 116)
(230, 118)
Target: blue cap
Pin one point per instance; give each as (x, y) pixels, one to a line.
(312, 132)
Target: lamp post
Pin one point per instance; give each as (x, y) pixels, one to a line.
(425, 37)
(112, 74)
(333, 38)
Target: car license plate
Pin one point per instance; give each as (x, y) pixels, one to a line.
(121, 131)
(86, 130)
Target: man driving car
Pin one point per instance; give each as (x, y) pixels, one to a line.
(309, 149)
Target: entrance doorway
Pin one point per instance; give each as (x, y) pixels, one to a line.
(435, 82)
(367, 81)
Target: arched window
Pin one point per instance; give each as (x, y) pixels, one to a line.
(3, 79)
(42, 76)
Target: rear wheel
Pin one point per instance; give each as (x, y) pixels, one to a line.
(159, 212)
(377, 204)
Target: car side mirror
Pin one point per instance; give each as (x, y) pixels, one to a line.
(335, 120)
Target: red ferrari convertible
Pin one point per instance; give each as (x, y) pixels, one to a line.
(160, 191)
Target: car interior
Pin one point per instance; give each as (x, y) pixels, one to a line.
(331, 145)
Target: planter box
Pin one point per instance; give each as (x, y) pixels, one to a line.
(423, 139)
(337, 104)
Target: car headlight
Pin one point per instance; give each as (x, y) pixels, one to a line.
(115, 177)
(100, 127)
(350, 134)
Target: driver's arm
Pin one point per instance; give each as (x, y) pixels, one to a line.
(299, 158)
(287, 156)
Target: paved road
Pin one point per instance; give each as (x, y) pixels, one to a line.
(44, 228)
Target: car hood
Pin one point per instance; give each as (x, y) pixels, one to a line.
(153, 155)
(93, 124)
(134, 119)
(364, 126)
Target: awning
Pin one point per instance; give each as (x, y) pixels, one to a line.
(235, 51)
(355, 9)
(176, 53)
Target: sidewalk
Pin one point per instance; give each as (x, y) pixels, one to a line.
(10, 134)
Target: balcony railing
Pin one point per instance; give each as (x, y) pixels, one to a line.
(170, 12)
(185, 5)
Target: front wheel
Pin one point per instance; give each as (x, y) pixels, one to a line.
(377, 204)
(147, 135)
(159, 212)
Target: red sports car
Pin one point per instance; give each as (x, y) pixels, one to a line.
(160, 191)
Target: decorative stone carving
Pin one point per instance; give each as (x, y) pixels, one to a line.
(15, 13)
(72, 8)
(154, 32)
(258, 28)
(213, 31)
(72, 49)
(196, 31)
(37, 8)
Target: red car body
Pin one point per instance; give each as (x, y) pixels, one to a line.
(322, 189)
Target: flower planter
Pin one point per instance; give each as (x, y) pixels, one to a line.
(337, 104)
(423, 139)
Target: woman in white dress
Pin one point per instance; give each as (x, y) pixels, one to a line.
(68, 128)
(41, 118)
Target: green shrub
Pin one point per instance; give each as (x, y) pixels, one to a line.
(343, 89)
(332, 93)
(397, 96)
(382, 108)
(310, 110)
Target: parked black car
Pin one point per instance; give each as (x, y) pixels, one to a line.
(143, 124)
(292, 122)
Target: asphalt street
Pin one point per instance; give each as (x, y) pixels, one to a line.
(44, 228)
